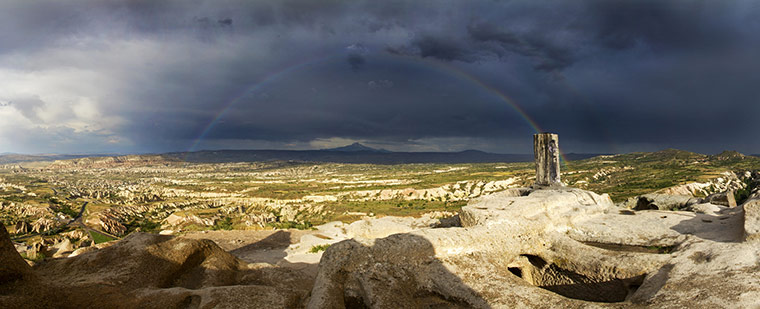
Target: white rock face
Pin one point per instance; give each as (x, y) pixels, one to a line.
(367, 228)
(556, 205)
(752, 219)
(551, 248)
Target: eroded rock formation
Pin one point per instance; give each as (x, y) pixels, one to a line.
(147, 271)
(551, 248)
(520, 248)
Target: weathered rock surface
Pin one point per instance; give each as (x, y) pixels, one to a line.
(13, 268)
(108, 223)
(725, 198)
(519, 248)
(661, 202)
(149, 271)
(752, 219)
(550, 248)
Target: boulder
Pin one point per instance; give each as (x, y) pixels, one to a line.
(63, 248)
(664, 202)
(725, 198)
(752, 219)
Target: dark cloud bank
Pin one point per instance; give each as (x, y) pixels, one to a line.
(151, 76)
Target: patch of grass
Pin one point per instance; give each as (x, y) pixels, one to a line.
(318, 248)
(224, 224)
(144, 225)
(66, 209)
(291, 225)
(100, 238)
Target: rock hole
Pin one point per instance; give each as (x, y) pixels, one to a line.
(354, 302)
(588, 287)
(593, 284)
(515, 271)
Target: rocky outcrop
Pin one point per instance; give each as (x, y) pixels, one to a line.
(752, 219)
(153, 271)
(43, 225)
(728, 181)
(461, 190)
(62, 248)
(722, 198)
(13, 268)
(22, 228)
(660, 201)
(109, 224)
(179, 219)
(548, 248)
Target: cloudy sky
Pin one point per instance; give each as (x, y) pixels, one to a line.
(153, 76)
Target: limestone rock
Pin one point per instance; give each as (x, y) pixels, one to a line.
(725, 198)
(108, 223)
(145, 270)
(177, 220)
(664, 202)
(556, 203)
(83, 250)
(22, 228)
(63, 248)
(752, 219)
(551, 248)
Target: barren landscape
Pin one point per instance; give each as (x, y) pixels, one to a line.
(294, 226)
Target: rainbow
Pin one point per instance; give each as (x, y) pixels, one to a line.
(274, 76)
(442, 67)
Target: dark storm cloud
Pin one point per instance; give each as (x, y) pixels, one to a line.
(663, 24)
(153, 75)
(548, 57)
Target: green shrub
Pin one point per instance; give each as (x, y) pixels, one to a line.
(743, 194)
(40, 256)
(317, 248)
(291, 225)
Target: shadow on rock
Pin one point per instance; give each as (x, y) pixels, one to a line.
(400, 271)
(155, 271)
(726, 225)
(268, 250)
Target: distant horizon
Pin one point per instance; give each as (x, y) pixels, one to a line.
(328, 149)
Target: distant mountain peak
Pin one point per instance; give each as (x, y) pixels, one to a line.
(356, 147)
(729, 154)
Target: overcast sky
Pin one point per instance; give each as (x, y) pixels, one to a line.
(154, 76)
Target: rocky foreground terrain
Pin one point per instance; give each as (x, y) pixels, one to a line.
(560, 247)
